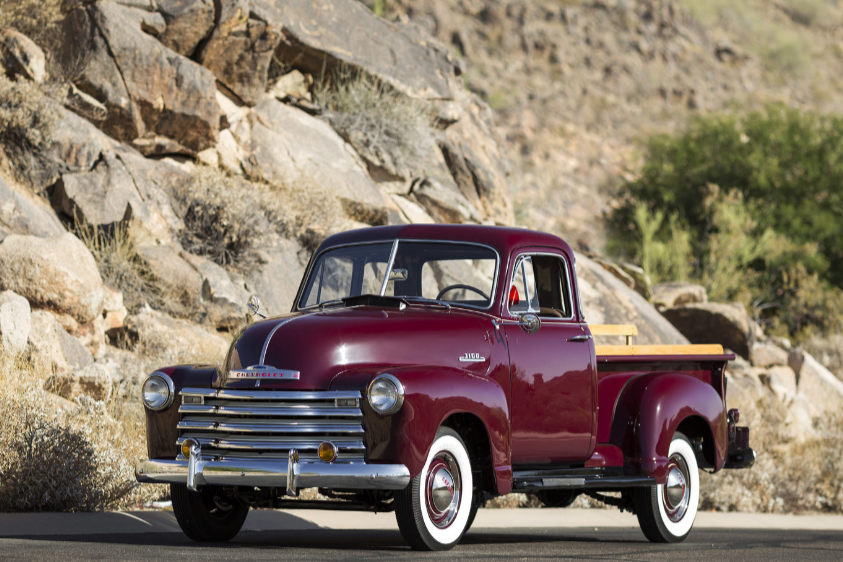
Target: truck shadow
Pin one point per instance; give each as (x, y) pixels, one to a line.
(316, 539)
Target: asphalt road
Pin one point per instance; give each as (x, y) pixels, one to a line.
(295, 538)
(480, 544)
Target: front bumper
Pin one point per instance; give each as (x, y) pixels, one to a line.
(290, 474)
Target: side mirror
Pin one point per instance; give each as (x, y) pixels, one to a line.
(254, 306)
(530, 323)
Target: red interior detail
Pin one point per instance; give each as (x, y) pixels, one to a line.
(513, 296)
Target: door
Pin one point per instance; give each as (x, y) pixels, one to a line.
(552, 368)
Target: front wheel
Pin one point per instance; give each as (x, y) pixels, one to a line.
(434, 510)
(206, 515)
(666, 512)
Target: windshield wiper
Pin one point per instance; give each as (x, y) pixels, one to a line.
(429, 302)
(334, 302)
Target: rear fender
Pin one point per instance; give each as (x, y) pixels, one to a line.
(650, 409)
(162, 426)
(431, 396)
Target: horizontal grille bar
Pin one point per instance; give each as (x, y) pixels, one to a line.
(268, 394)
(244, 443)
(268, 410)
(267, 424)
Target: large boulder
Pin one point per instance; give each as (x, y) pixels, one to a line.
(188, 22)
(53, 350)
(172, 273)
(148, 89)
(21, 212)
(241, 47)
(165, 340)
(444, 202)
(20, 56)
(93, 381)
(284, 146)
(607, 300)
(15, 322)
(57, 273)
(822, 390)
(103, 196)
(677, 293)
(726, 324)
(319, 36)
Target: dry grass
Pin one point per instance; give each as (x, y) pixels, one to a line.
(122, 267)
(27, 118)
(37, 19)
(788, 477)
(389, 129)
(76, 458)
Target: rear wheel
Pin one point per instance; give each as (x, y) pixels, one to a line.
(666, 512)
(434, 510)
(207, 515)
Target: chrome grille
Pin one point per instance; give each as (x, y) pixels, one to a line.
(268, 423)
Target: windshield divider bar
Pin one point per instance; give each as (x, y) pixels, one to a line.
(389, 267)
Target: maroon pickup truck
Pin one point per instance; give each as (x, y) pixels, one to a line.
(426, 368)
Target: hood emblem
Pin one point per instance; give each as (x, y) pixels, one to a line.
(472, 358)
(264, 372)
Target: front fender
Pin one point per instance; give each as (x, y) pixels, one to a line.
(162, 430)
(431, 396)
(650, 409)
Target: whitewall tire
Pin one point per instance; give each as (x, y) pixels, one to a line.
(666, 512)
(433, 512)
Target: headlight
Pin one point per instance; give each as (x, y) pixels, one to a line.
(386, 394)
(158, 391)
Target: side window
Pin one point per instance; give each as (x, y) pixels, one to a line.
(332, 281)
(523, 296)
(553, 288)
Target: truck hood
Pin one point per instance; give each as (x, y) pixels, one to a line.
(320, 345)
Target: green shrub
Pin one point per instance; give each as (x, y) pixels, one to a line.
(760, 198)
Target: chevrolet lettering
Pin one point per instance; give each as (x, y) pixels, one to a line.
(425, 368)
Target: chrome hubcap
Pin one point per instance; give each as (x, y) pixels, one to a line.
(442, 490)
(677, 489)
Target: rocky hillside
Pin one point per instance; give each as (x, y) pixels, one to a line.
(577, 84)
(160, 160)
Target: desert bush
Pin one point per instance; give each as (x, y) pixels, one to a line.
(27, 118)
(77, 458)
(389, 129)
(759, 197)
(227, 217)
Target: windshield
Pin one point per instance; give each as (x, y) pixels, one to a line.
(462, 274)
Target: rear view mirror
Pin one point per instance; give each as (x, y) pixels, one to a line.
(398, 275)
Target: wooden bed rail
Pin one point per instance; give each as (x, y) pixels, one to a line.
(629, 330)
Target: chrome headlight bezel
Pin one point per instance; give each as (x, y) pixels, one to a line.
(171, 391)
(391, 380)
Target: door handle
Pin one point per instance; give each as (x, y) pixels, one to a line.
(582, 338)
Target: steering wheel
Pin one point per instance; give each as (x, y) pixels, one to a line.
(461, 286)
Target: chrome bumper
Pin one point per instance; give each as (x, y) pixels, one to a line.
(289, 474)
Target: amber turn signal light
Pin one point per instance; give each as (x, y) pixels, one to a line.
(328, 452)
(186, 445)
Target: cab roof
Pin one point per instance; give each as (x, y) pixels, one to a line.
(502, 239)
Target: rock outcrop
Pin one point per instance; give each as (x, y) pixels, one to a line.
(147, 88)
(20, 56)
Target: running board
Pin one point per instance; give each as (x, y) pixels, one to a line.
(532, 482)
